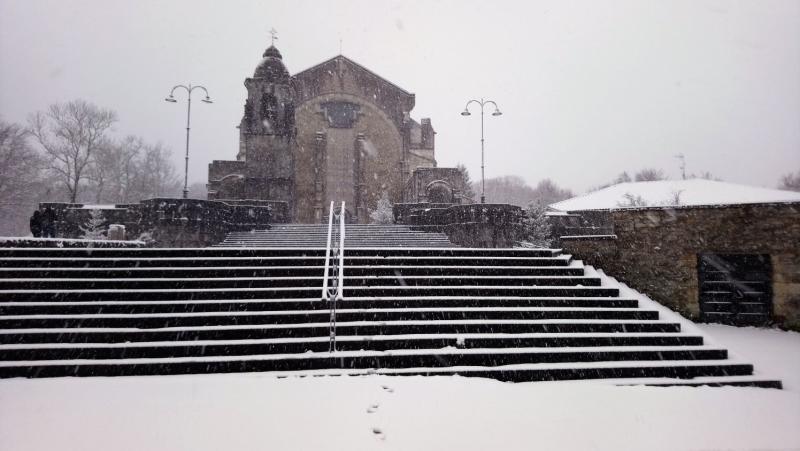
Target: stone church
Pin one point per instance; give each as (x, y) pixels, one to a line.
(334, 132)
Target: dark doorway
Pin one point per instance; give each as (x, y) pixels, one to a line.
(735, 288)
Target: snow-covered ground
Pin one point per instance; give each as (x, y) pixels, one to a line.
(252, 411)
(257, 411)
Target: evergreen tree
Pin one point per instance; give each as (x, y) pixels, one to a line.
(467, 192)
(536, 228)
(382, 214)
(95, 227)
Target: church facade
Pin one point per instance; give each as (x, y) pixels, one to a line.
(334, 132)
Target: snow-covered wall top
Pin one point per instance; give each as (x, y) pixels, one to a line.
(692, 192)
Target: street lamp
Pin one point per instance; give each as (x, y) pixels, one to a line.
(172, 99)
(495, 113)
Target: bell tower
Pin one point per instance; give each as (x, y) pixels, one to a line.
(267, 131)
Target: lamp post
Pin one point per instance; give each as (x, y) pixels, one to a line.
(172, 99)
(496, 112)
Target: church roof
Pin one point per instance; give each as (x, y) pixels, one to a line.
(357, 65)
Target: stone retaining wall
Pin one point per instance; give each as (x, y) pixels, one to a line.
(470, 225)
(166, 222)
(654, 250)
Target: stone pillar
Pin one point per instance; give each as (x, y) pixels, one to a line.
(359, 200)
(405, 132)
(320, 144)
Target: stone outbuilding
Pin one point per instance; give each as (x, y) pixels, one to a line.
(729, 262)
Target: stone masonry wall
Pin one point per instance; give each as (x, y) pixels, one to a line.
(174, 222)
(655, 250)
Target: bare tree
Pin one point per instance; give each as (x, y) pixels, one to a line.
(70, 134)
(650, 175)
(623, 177)
(114, 170)
(547, 192)
(790, 182)
(20, 178)
(509, 189)
(705, 175)
(198, 190)
(156, 175)
(100, 171)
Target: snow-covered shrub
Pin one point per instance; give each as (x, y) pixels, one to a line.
(536, 228)
(94, 228)
(674, 199)
(632, 201)
(382, 214)
(146, 237)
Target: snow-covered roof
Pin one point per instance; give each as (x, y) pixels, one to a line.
(691, 192)
(95, 207)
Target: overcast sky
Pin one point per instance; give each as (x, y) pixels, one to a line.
(587, 88)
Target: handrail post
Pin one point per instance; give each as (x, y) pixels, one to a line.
(336, 294)
(327, 254)
(340, 287)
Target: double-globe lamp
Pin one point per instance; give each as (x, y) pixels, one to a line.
(496, 112)
(172, 99)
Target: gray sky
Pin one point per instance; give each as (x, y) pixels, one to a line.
(588, 88)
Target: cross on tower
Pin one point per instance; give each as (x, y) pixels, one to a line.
(274, 33)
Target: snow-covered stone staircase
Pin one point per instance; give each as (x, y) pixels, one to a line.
(316, 235)
(512, 315)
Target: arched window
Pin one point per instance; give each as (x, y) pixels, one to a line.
(439, 192)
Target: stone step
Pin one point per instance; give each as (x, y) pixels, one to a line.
(563, 371)
(294, 244)
(284, 271)
(683, 369)
(335, 237)
(160, 320)
(238, 332)
(432, 358)
(128, 262)
(259, 252)
(708, 381)
(41, 306)
(355, 235)
(69, 351)
(349, 234)
(350, 282)
(300, 292)
(511, 314)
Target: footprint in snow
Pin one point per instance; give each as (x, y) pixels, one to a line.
(387, 388)
(378, 433)
(373, 408)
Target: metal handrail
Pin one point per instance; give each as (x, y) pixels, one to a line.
(327, 255)
(340, 291)
(332, 295)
